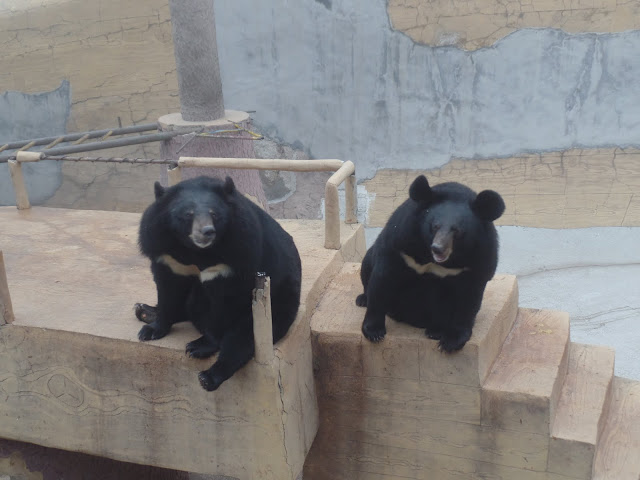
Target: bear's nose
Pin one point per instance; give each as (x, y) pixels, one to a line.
(208, 230)
(437, 249)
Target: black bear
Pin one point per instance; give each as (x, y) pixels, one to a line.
(206, 242)
(430, 264)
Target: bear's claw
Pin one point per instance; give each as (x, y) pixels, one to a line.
(148, 332)
(145, 313)
(449, 345)
(208, 381)
(201, 348)
(373, 334)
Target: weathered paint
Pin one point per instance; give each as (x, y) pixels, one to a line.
(24, 116)
(346, 85)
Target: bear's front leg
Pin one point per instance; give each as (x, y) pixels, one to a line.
(172, 296)
(380, 292)
(467, 301)
(236, 350)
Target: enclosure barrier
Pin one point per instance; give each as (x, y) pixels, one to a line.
(344, 172)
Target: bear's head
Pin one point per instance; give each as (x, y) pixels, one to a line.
(453, 221)
(197, 210)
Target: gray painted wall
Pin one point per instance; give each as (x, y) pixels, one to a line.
(25, 116)
(334, 77)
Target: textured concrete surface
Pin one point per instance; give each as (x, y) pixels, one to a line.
(24, 116)
(346, 85)
(196, 52)
(479, 23)
(569, 189)
(343, 79)
(591, 273)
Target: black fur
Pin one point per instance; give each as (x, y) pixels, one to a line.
(246, 239)
(447, 225)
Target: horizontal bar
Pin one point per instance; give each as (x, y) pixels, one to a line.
(262, 164)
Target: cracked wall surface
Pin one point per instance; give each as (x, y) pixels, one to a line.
(118, 59)
(345, 80)
(17, 120)
(117, 56)
(480, 23)
(570, 189)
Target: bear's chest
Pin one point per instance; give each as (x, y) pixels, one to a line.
(206, 271)
(430, 268)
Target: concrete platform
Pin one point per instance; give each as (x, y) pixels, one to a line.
(74, 376)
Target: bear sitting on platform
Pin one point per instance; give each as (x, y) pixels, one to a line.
(430, 264)
(206, 242)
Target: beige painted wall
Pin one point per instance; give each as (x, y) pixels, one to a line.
(118, 58)
(117, 55)
(576, 188)
(471, 24)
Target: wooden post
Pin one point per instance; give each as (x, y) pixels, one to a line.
(22, 197)
(6, 309)
(351, 200)
(174, 175)
(332, 206)
(331, 217)
(262, 329)
(23, 157)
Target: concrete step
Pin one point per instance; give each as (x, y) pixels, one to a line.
(523, 389)
(581, 412)
(405, 352)
(618, 451)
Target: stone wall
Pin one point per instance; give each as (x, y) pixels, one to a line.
(397, 87)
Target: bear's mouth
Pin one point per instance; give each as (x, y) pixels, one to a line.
(440, 256)
(202, 241)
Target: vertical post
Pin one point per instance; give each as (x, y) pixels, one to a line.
(6, 309)
(196, 52)
(174, 175)
(332, 217)
(22, 197)
(350, 200)
(262, 327)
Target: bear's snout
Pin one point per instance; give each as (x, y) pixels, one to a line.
(203, 232)
(208, 230)
(441, 247)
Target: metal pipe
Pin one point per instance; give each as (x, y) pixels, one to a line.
(118, 142)
(145, 127)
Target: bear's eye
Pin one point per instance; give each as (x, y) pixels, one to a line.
(435, 227)
(212, 213)
(189, 213)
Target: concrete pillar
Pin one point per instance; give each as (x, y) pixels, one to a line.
(201, 101)
(196, 52)
(237, 145)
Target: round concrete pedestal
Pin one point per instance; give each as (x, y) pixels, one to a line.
(231, 145)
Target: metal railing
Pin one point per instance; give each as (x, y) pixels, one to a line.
(343, 172)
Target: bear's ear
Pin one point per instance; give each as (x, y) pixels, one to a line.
(420, 191)
(488, 205)
(229, 187)
(158, 190)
